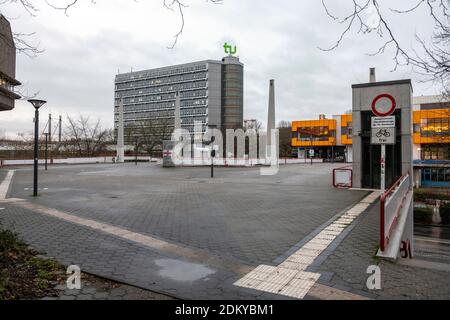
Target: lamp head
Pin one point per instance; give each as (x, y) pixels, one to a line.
(37, 103)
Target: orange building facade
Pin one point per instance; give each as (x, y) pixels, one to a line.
(325, 139)
(431, 134)
(330, 138)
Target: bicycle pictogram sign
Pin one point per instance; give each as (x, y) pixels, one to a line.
(383, 133)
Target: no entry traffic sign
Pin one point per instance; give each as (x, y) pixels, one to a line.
(383, 105)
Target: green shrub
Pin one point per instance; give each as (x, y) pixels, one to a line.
(9, 241)
(445, 214)
(423, 215)
(423, 195)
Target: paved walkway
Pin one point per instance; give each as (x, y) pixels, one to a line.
(239, 214)
(345, 268)
(180, 233)
(95, 288)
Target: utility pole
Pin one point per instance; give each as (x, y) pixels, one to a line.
(213, 154)
(383, 168)
(136, 150)
(50, 128)
(49, 137)
(46, 149)
(60, 130)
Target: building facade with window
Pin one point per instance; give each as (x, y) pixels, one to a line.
(324, 139)
(211, 93)
(7, 67)
(431, 138)
(330, 138)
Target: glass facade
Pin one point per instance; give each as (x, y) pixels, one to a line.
(435, 152)
(314, 133)
(435, 127)
(431, 136)
(435, 177)
(322, 133)
(431, 126)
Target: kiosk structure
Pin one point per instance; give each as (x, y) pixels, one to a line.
(382, 158)
(367, 155)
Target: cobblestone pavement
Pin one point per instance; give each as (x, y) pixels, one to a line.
(95, 288)
(239, 214)
(239, 218)
(208, 233)
(346, 267)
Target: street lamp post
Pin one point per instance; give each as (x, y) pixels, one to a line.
(211, 150)
(36, 104)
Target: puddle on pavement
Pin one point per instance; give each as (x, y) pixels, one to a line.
(182, 271)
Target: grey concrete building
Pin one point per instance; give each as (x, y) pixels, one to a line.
(7, 66)
(366, 156)
(210, 91)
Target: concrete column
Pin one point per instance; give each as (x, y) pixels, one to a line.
(120, 143)
(177, 112)
(270, 115)
(357, 156)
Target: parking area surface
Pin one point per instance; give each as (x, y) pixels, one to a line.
(239, 213)
(179, 232)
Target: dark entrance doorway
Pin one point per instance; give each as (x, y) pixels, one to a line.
(371, 154)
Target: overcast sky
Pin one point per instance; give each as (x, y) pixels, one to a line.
(276, 39)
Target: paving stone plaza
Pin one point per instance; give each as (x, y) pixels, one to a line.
(179, 233)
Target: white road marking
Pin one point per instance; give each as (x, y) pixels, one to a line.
(290, 278)
(4, 186)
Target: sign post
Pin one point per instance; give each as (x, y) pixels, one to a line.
(383, 168)
(383, 129)
(311, 155)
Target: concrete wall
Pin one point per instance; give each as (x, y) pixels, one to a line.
(363, 95)
(338, 129)
(7, 49)
(349, 150)
(7, 63)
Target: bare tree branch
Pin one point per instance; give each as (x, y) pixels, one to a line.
(180, 6)
(22, 39)
(433, 60)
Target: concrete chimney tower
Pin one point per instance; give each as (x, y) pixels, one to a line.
(120, 144)
(271, 113)
(372, 76)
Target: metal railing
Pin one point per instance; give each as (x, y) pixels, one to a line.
(391, 203)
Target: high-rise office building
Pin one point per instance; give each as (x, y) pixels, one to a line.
(211, 93)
